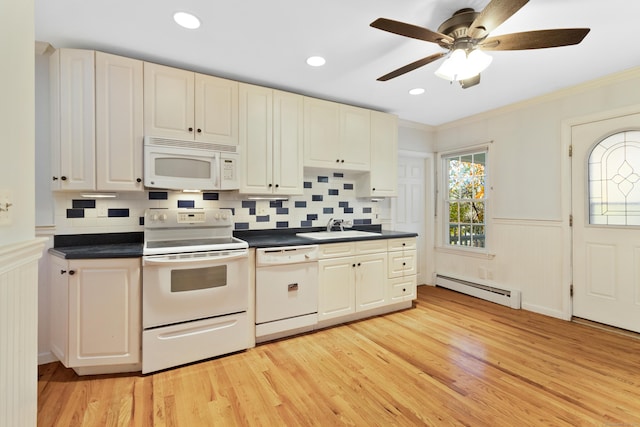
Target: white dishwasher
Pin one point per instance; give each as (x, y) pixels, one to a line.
(286, 291)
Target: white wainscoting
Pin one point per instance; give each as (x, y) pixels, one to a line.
(18, 332)
(527, 255)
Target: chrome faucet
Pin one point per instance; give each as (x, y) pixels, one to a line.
(333, 222)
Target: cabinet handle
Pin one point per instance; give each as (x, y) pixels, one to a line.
(190, 129)
(199, 130)
(72, 272)
(358, 264)
(353, 265)
(374, 189)
(404, 263)
(404, 290)
(64, 178)
(138, 179)
(63, 271)
(337, 160)
(55, 178)
(342, 161)
(270, 185)
(404, 244)
(277, 185)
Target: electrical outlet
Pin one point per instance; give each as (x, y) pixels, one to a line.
(6, 207)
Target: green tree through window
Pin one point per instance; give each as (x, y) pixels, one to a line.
(466, 199)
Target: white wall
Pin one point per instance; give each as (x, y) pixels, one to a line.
(19, 249)
(529, 246)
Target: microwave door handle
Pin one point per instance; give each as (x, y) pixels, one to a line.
(217, 165)
(163, 260)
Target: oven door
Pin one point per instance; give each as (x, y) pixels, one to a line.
(182, 287)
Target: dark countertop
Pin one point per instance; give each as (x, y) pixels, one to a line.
(95, 246)
(287, 237)
(129, 245)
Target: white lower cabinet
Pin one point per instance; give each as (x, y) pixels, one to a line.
(95, 314)
(351, 284)
(402, 269)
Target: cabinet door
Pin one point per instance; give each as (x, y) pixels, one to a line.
(288, 143)
(336, 283)
(355, 138)
(371, 281)
(59, 308)
(384, 154)
(104, 312)
(216, 110)
(256, 141)
(75, 104)
(119, 123)
(321, 133)
(168, 102)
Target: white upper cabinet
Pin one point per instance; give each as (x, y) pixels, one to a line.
(216, 111)
(336, 136)
(71, 74)
(271, 141)
(119, 123)
(288, 137)
(382, 181)
(186, 105)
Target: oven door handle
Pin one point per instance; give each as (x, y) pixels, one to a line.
(168, 260)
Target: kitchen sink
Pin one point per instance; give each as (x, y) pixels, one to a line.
(328, 235)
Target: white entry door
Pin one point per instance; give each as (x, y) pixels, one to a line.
(606, 221)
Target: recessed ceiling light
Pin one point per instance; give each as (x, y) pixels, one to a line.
(186, 20)
(316, 61)
(416, 91)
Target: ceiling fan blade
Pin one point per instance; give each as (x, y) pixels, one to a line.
(535, 39)
(409, 30)
(410, 67)
(494, 14)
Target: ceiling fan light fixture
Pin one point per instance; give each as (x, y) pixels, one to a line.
(462, 65)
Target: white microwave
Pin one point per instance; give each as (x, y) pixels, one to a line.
(174, 164)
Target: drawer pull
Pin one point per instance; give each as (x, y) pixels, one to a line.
(292, 287)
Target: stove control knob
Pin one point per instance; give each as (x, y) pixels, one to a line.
(225, 216)
(163, 217)
(216, 216)
(153, 217)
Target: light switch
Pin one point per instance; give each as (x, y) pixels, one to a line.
(6, 207)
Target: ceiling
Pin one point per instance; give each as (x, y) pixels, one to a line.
(267, 43)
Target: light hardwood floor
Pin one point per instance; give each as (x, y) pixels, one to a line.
(451, 360)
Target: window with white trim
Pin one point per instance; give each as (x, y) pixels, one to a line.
(466, 199)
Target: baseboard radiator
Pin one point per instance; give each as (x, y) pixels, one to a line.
(510, 298)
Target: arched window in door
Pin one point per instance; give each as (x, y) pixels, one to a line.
(614, 180)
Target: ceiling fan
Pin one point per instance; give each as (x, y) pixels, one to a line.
(466, 35)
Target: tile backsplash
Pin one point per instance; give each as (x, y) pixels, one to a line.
(325, 196)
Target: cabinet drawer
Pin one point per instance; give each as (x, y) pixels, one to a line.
(402, 289)
(402, 263)
(371, 246)
(333, 250)
(407, 243)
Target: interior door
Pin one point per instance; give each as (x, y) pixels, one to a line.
(410, 208)
(606, 221)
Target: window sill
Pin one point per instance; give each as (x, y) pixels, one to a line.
(469, 252)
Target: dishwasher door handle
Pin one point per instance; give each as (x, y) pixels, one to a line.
(292, 287)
